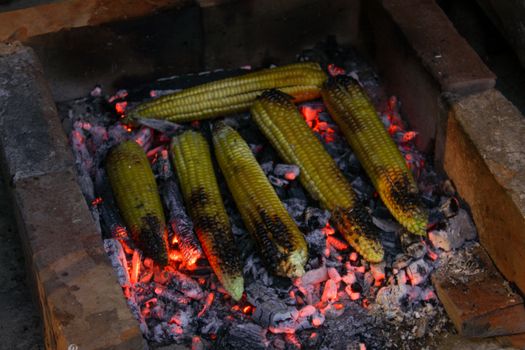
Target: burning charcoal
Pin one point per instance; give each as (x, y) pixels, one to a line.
(186, 285)
(118, 260)
(329, 291)
(166, 127)
(245, 336)
(334, 275)
(378, 271)
(267, 167)
(113, 225)
(307, 311)
(277, 181)
(318, 319)
(313, 277)
(144, 137)
(401, 261)
(316, 218)
(180, 223)
(287, 171)
(418, 271)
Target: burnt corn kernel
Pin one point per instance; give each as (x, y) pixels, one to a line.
(352, 110)
(278, 119)
(137, 197)
(280, 243)
(193, 165)
(232, 95)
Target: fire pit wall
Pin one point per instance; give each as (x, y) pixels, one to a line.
(447, 93)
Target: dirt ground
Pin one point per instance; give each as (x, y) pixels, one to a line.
(20, 324)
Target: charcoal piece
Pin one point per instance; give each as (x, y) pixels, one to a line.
(362, 187)
(295, 190)
(449, 206)
(118, 260)
(278, 182)
(316, 218)
(392, 296)
(111, 221)
(288, 171)
(401, 261)
(267, 167)
(316, 241)
(458, 229)
(418, 271)
(295, 208)
(244, 336)
(386, 225)
(179, 222)
(412, 245)
(463, 223)
(186, 285)
(166, 127)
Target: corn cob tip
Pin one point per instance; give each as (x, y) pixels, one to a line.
(417, 223)
(359, 231)
(275, 96)
(234, 286)
(294, 267)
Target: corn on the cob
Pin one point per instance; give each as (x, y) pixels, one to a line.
(232, 95)
(138, 199)
(194, 168)
(287, 131)
(280, 242)
(353, 111)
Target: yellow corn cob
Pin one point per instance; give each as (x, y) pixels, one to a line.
(232, 95)
(287, 131)
(280, 242)
(138, 199)
(352, 110)
(192, 161)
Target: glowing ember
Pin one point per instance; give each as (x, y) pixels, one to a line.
(135, 267)
(209, 301)
(120, 107)
(334, 70)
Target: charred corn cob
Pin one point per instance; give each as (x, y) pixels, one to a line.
(282, 124)
(280, 242)
(353, 111)
(192, 162)
(231, 95)
(138, 199)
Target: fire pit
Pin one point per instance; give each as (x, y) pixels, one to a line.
(342, 300)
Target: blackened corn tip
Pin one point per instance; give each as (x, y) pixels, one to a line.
(275, 96)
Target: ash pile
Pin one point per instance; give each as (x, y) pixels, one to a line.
(342, 301)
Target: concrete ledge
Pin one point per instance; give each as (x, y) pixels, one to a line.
(80, 299)
(31, 137)
(485, 157)
(422, 57)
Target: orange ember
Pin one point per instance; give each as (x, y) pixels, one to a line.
(120, 107)
(135, 267)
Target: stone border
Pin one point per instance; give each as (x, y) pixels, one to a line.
(79, 297)
(485, 157)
